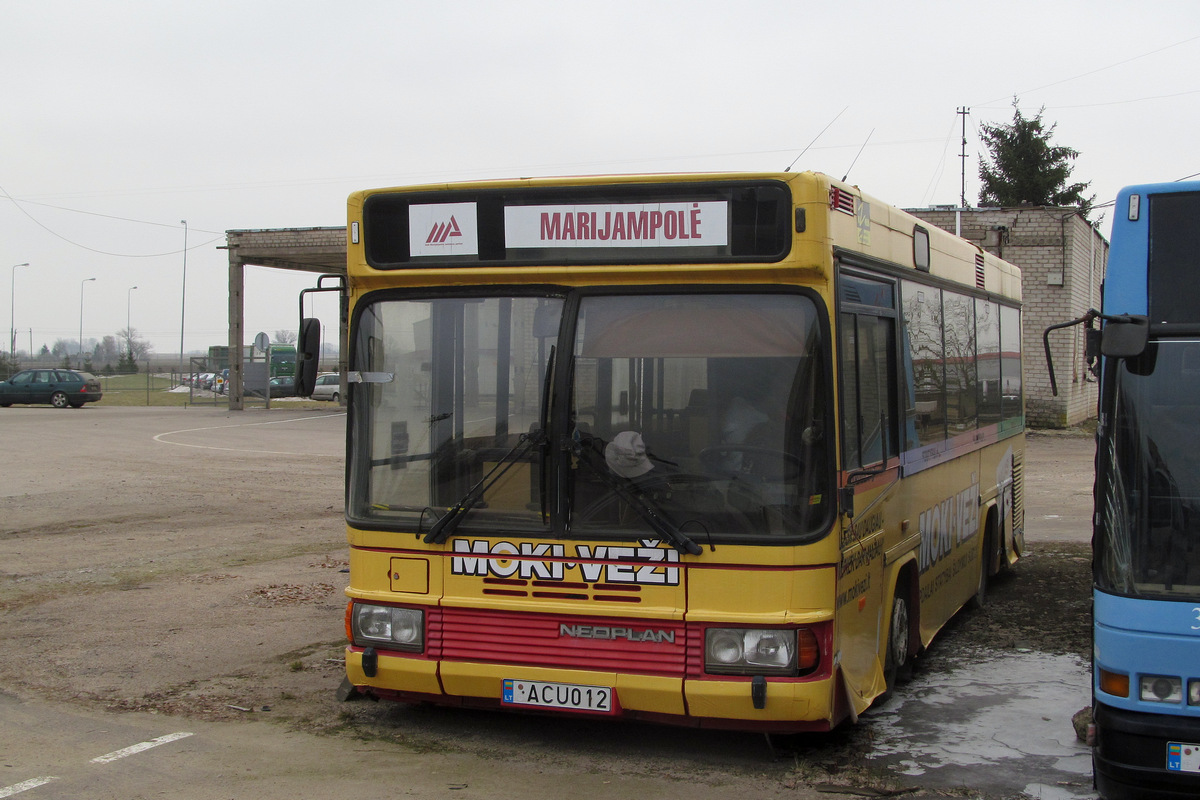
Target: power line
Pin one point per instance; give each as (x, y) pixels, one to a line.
(1111, 102)
(1134, 100)
(4, 193)
(938, 171)
(98, 214)
(1093, 72)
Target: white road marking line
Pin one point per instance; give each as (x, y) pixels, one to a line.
(137, 748)
(32, 783)
(161, 440)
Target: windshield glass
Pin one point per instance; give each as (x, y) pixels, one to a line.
(449, 386)
(672, 417)
(1149, 539)
(709, 407)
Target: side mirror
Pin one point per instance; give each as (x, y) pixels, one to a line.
(1125, 337)
(308, 345)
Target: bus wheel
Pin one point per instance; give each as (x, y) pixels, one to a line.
(986, 559)
(898, 662)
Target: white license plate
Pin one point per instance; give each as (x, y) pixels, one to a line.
(1183, 757)
(558, 695)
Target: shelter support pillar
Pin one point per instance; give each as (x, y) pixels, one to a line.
(237, 329)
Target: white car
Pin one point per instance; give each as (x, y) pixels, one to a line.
(327, 387)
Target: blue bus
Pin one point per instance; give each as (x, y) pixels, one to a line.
(1146, 538)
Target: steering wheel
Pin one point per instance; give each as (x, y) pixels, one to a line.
(699, 498)
(763, 463)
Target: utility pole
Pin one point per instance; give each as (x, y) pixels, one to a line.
(963, 155)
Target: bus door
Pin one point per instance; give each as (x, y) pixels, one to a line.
(870, 438)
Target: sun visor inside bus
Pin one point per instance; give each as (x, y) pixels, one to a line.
(685, 333)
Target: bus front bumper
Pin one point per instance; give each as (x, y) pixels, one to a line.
(789, 705)
(1130, 759)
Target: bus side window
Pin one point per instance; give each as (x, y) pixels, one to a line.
(868, 369)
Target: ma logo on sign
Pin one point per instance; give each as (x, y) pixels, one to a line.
(442, 231)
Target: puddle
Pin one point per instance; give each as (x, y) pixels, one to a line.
(999, 724)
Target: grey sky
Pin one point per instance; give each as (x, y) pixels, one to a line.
(121, 118)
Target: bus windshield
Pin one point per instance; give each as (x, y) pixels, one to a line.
(1150, 477)
(710, 405)
(702, 412)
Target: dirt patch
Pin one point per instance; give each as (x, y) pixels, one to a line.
(1043, 604)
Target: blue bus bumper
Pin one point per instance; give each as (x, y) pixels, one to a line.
(1130, 757)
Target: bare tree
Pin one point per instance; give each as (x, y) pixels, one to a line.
(133, 344)
(284, 337)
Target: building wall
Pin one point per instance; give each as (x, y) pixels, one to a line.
(1063, 260)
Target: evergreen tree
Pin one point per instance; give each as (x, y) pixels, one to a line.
(1024, 168)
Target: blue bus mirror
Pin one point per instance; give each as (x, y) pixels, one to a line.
(1125, 337)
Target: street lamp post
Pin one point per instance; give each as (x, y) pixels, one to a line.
(128, 326)
(12, 313)
(183, 298)
(81, 284)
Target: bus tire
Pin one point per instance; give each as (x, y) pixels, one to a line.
(987, 558)
(898, 659)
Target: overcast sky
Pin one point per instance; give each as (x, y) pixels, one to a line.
(119, 119)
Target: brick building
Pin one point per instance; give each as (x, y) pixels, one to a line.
(1063, 259)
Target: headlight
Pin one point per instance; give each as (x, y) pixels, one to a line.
(1161, 689)
(1194, 693)
(758, 651)
(389, 627)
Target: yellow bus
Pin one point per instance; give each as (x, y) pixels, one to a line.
(719, 450)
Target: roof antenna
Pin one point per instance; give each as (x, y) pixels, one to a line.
(856, 155)
(814, 141)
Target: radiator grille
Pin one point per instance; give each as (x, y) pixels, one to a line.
(559, 590)
(653, 647)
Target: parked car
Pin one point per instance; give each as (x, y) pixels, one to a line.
(282, 386)
(327, 387)
(58, 387)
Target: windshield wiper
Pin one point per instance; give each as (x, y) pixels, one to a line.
(644, 507)
(447, 523)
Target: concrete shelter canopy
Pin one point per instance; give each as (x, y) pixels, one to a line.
(318, 250)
